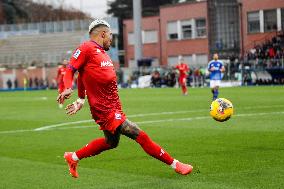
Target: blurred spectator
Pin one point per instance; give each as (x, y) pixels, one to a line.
(196, 77)
(170, 78)
(9, 84)
(30, 83)
(247, 79)
(36, 82)
(41, 84)
(15, 83)
(53, 84)
(156, 79)
(268, 54)
(46, 83)
(202, 75)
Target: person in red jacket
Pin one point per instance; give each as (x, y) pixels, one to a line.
(183, 73)
(59, 78)
(97, 80)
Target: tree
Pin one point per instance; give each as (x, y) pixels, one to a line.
(15, 11)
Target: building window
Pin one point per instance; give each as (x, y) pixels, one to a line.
(172, 30)
(270, 20)
(253, 22)
(150, 36)
(130, 38)
(201, 59)
(187, 59)
(200, 27)
(186, 29)
(155, 62)
(172, 60)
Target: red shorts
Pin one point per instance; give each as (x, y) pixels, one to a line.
(111, 122)
(182, 80)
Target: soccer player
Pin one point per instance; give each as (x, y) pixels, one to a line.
(183, 73)
(215, 67)
(60, 74)
(97, 80)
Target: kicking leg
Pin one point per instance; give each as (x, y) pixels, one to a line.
(132, 131)
(93, 148)
(98, 145)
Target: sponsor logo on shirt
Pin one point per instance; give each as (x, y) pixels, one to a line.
(117, 116)
(106, 63)
(77, 53)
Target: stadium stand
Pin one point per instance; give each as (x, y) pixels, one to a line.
(32, 51)
(268, 54)
(44, 42)
(44, 48)
(265, 62)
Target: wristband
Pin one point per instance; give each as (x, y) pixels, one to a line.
(81, 101)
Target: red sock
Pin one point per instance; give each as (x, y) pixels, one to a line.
(184, 89)
(93, 148)
(153, 149)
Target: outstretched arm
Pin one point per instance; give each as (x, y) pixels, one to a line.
(77, 61)
(78, 104)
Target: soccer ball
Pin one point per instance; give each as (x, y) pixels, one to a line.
(221, 109)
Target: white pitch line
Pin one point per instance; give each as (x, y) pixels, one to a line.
(148, 122)
(260, 107)
(130, 116)
(185, 119)
(16, 131)
(63, 124)
(143, 115)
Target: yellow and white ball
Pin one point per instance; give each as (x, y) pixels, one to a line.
(221, 109)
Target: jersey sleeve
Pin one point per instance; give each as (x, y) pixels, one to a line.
(209, 65)
(77, 60)
(187, 69)
(81, 88)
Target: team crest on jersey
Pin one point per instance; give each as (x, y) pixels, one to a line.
(77, 53)
(98, 50)
(117, 116)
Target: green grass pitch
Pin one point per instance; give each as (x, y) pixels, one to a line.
(245, 152)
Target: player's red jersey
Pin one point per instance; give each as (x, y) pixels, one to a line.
(60, 74)
(97, 76)
(183, 69)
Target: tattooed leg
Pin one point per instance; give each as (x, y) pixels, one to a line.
(132, 131)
